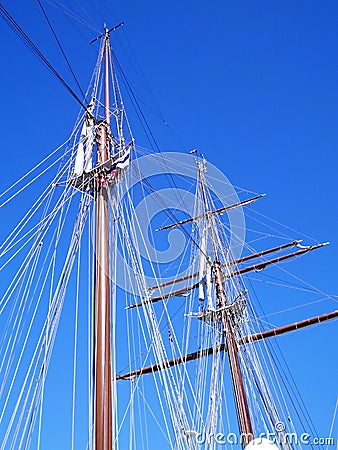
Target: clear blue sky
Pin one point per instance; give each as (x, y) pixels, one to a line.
(252, 84)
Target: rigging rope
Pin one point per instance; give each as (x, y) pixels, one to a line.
(71, 15)
(30, 44)
(60, 47)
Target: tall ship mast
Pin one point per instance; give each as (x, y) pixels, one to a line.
(175, 353)
(102, 368)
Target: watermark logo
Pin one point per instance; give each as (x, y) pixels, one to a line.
(279, 427)
(174, 198)
(266, 440)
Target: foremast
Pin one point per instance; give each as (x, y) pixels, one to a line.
(99, 177)
(222, 313)
(102, 347)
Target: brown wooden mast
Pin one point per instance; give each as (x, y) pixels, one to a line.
(242, 407)
(102, 357)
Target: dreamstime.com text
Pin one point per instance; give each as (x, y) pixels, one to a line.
(276, 438)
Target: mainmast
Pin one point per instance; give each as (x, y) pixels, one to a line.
(102, 348)
(223, 314)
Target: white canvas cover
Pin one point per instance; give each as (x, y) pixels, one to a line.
(83, 160)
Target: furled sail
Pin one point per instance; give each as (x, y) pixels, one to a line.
(83, 160)
(202, 265)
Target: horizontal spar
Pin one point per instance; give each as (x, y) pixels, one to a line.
(107, 31)
(216, 211)
(245, 340)
(290, 327)
(255, 267)
(262, 265)
(177, 293)
(230, 263)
